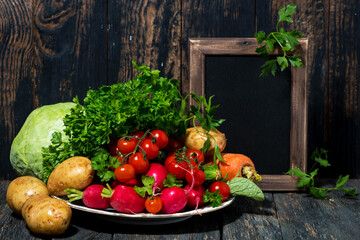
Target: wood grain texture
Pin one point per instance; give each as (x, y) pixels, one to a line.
(248, 219)
(213, 19)
(303, 217)
(5, 211)
(197, 227)
(69, 49)
(147, 32)
(344, 85)
(15, 74)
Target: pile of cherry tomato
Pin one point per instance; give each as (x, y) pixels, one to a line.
(135, 151)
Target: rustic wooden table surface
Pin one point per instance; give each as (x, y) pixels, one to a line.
(280, 216)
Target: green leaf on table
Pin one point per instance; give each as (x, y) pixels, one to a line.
(319, 193)
(351, 192)
(342, 180)
(240, 186)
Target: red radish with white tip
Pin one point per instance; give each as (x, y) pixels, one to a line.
(91, 196)
(195, 196)
(159, 172)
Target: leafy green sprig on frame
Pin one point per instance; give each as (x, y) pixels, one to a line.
(307, 180)
(286, 40)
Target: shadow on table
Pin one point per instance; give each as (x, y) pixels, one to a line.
(85, 221)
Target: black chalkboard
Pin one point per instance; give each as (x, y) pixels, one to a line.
(257, 110)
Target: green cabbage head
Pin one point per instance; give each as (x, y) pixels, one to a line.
(36, 133)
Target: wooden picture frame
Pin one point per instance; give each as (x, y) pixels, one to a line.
(202, 47)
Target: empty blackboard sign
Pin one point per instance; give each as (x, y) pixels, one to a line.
(257, 109)
(266, 117)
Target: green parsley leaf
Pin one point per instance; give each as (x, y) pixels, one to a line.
(287, 41)
(319, 193)
(342, 180)
(285, 12)
(269, 66)
(147, 188)
(351, 192)
(320, 156)
(171, 181)
(308, 180)
(101, 163)
(214, 198)
(260, 36)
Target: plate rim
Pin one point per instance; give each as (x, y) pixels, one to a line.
(114, 213)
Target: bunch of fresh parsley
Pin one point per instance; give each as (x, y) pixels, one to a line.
(146, 102)
(286, 40)
(307, 180)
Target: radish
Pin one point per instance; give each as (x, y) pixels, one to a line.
(125, 199)
(195, 196)
(91, 196)
(159, 172)
(174, 199)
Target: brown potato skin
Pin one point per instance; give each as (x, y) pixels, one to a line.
(195, 139)
(75, 172)
(46, 216)
(22, 188)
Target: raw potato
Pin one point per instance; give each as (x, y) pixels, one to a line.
(75, 172)
(21, 189)
(195, 139)
(46, 216)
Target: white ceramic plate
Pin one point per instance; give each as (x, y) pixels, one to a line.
(146, 218)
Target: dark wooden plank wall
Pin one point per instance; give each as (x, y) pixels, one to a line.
(51, 51)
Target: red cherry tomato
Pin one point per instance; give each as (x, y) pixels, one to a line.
(124, 173)
(173, 145)
(126, 145)
(161, 137)
(112, 147)
(199, 177)
(138, 135)
(195, 156)
(151, 149)
(139, 163)
(153, 204)
(178, 169)
(120, 158)
(222, 187)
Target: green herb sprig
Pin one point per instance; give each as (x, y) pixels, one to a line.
(307, 180)
(204, 113)
(286, 40)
